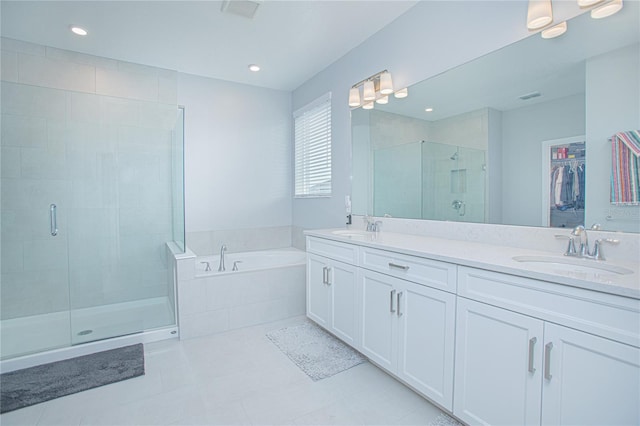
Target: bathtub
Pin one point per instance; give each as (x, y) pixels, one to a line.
(269, 285)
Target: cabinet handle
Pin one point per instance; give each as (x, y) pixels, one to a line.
(53, 220)
(399, 295)
(532, 344)
(396, 266)
(329, 275)
(391, 297)
(547, 360)
(324, 275)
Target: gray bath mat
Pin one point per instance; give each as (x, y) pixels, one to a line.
(314, 351)
(22, 388)
(444, 420)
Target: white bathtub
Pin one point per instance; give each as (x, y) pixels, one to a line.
(268, 286)
(250, 261)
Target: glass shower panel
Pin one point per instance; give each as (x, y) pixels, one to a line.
(397, 181)
(454, 182)
(177, 146)
(34, 196)
(122, 215)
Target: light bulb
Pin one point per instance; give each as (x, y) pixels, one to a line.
(354, 97)
(386, 85)
(606, 9)
(369, 91)
(555, 31)
(539, 14)
(402, 93)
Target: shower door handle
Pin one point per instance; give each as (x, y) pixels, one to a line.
(53, 219)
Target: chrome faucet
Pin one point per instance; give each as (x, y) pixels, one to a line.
(221, 267)
(585, 251)
(372, 226)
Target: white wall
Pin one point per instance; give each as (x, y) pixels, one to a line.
(238, 168)
(430, 38)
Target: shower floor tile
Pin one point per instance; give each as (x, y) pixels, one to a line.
(234, 378)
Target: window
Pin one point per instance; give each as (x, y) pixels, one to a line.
(313, 149)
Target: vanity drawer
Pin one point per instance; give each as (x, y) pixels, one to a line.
(432, 273)
(347, 253)
(607, 315)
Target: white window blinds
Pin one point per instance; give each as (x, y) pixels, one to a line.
(313, 148)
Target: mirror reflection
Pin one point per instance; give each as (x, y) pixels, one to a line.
(521, 136)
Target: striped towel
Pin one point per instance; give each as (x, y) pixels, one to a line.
(625, 168)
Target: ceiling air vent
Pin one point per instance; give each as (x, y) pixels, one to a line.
(245, 8)
(529, 96)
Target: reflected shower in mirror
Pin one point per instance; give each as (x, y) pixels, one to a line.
(468, 144)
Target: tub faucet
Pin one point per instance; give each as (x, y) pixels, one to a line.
(221, 267)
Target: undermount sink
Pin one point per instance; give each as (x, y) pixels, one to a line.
(572, 264)
(351, 233)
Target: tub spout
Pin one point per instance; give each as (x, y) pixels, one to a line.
(221, 267)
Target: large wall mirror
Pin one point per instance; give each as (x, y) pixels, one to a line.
(501, 126)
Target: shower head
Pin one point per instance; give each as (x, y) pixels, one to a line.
(454, 156)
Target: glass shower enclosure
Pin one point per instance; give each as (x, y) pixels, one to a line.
(92, 190)
(430, 180)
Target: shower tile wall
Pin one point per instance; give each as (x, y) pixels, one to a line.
(92, 135)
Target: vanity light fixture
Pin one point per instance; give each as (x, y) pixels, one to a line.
(607, 9)
(539, 14)
(78, 30)
(555, 31)
(376, 88)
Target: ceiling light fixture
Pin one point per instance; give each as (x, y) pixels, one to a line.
(78, 30)
(428, 109)
(606, 9)
(539, 14)
(555, 31)
(254, 68)
(376, 88)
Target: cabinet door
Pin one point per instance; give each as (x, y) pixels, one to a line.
(426, 337)
(589, 380)
(378, 325)
(498, 366)
(317, 290)
(344, 302)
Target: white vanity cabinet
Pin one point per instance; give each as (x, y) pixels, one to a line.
(331, 288)
(526, 369)
(408, 319)
(408, 329)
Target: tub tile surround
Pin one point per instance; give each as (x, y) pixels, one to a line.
(239, 240)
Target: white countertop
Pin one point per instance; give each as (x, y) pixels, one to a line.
(499, 259)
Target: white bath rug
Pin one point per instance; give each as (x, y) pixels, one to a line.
(314, 351)
(444, 420)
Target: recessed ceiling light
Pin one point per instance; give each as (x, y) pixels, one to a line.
(78, 30)
(254, 68)
(428, 109)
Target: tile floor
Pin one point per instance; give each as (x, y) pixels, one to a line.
(234, 378)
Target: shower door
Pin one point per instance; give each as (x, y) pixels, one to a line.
(91, 192)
